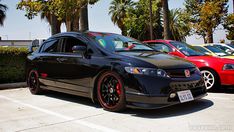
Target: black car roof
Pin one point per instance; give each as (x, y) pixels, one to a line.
(76, 33)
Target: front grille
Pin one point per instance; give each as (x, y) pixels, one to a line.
(178, 86)
(179, 73)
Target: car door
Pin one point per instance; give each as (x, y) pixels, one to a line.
(47, 62)
(73, 67)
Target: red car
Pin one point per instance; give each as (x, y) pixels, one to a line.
(216, 71)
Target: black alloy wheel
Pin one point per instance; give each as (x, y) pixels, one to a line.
(111, 93)
(33, 82)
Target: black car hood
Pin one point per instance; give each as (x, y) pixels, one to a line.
(161, 60)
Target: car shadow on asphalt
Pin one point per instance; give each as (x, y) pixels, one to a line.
(224, 89)
(171, 111)
(71, 98)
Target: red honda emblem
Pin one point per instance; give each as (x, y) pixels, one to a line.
(187, 73)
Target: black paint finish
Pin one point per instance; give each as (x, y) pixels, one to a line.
(77, 73)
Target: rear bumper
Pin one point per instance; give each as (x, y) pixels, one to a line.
(139, 100)
(227, 77)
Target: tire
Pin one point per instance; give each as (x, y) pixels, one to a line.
(111, 92)
(33, 82)
(211, 78)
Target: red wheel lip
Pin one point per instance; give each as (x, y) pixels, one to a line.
(99, 88)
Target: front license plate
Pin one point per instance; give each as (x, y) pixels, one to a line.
(185, 96)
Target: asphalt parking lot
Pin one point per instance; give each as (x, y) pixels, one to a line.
(22, 112)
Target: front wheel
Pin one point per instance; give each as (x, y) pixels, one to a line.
(211, 79)
(110, 92)
(33, 82)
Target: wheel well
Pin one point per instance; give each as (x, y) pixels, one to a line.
(94, 90)
(208, 68)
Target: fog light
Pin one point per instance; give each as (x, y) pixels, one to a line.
(172, 95)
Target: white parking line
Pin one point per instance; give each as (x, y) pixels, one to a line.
(84, 123)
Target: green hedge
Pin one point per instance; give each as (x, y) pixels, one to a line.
(12, 64)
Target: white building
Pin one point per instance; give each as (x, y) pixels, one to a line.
(15, 43)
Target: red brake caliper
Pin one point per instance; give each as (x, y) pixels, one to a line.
(118, 89)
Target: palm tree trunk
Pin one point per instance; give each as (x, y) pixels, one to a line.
(76, 23)
(209, 36)
(166, 22)
(68, 24)
(151, 24)
(84, 22)
(54, 25)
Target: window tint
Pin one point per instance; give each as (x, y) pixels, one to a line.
(186, 49)
(201, 49)
(51, 46)
(215, 49)
(68, 44)
(160, 47)
(118, 43)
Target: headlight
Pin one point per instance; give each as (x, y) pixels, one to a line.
(146, 71)
(228, 67)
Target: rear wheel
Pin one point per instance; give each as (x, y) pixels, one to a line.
(211, 79)
(33, 82)
(110, 92)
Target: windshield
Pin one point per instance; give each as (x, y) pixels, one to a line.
(118, 43)
(186, 49)
(201, 49)
(216, 50)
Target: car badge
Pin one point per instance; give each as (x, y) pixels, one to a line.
(187, 73)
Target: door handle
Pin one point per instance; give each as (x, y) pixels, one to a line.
(60, 60)
(40, 59)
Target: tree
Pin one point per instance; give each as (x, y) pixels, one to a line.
(137, 20)
(33, 8)
(3, 9)
(52, 20)
(166, 21)
(206, 16)
(84, 21)
(229, 26)
(179, 25)
(118, 11)
(58, 11)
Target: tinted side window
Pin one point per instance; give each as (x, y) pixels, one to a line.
(160, 47)
(69, 42)
(51, 46)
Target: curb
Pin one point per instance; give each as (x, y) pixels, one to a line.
(13, 85)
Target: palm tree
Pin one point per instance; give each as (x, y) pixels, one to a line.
(3, 9)
(166, 22)
(118, 10)
(84, 21)
(178, 25)
(53, 21)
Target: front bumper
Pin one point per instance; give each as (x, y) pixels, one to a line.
(145, 101)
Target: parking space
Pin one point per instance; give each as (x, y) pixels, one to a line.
(23, 112)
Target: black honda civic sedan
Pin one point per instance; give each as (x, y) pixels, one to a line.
(113, 70)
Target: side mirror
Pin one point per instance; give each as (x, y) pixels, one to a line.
(79, 49)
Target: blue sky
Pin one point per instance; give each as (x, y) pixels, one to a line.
(17, 26)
